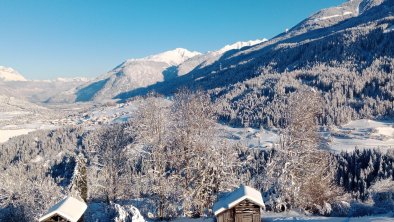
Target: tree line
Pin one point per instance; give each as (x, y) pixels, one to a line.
(170, 156)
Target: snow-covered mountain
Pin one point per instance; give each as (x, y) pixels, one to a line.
(12, 104)
(173, 57)
(167, 71)
(131, 74)
(38, 91)
(10, 74)
(144, 72)
(67, 80)
(347, 56)
(211, 57)
(13, 84)
(239, 45)
(327, 17)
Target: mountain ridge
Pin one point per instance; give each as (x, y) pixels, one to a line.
(249, 83)
(144, 72)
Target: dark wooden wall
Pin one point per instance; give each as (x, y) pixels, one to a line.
(56, 218)
(226, 216)
(245, 211)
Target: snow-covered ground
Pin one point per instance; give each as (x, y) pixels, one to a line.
(333, 16)
(252, 138)
(7, 134)
(363, 134)
(9, 131)
(292, 216)
(4, 116)
(389, 29)
(267, 217)
(15, 123)
(20, 122)
(98, 115)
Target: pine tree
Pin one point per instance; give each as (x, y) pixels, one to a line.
(80, 179)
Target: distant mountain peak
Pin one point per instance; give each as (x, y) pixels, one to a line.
(10, 74)
(239, 45)
(172, 57)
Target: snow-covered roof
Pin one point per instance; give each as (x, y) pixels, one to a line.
(237, 196)
(69, 208)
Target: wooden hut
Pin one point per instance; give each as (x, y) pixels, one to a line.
(67, 210)
(242, 205)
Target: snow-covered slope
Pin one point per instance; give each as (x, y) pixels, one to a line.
(173, 57)
(363, 134)
(368, 4)
(131, 74)
(204, 60)
(239, 45)
(149, 70)
(10, 74)
(328, 17)
(72, 79)
(144, 72)
(19, 117)
(330, 45)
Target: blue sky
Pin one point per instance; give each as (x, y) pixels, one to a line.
(45, 39)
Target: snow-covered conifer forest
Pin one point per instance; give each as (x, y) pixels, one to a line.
(306, 118)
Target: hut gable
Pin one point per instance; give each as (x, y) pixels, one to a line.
(243, 198)
(69, 209)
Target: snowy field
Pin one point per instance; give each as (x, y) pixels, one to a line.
(252, 138)
(284, 218)
(362, 134)
(9, 131)
(330, 219)
(8, 127)
(15, 123)
(293, 216)
(5, 135)
(4, 116)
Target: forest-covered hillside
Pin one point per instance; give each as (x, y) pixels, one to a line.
(349, 60)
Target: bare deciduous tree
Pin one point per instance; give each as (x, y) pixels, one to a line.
(110, 163)
(152, 137)
(301, 173)
(203, 162)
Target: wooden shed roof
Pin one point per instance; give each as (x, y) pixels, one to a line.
(69, 208)
(237, 196)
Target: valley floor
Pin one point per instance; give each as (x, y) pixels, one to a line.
(288, 218)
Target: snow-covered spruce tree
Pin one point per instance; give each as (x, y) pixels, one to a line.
(152, 138)
(79, 185)
(204, 164)
(360, 169)
(300, 174)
